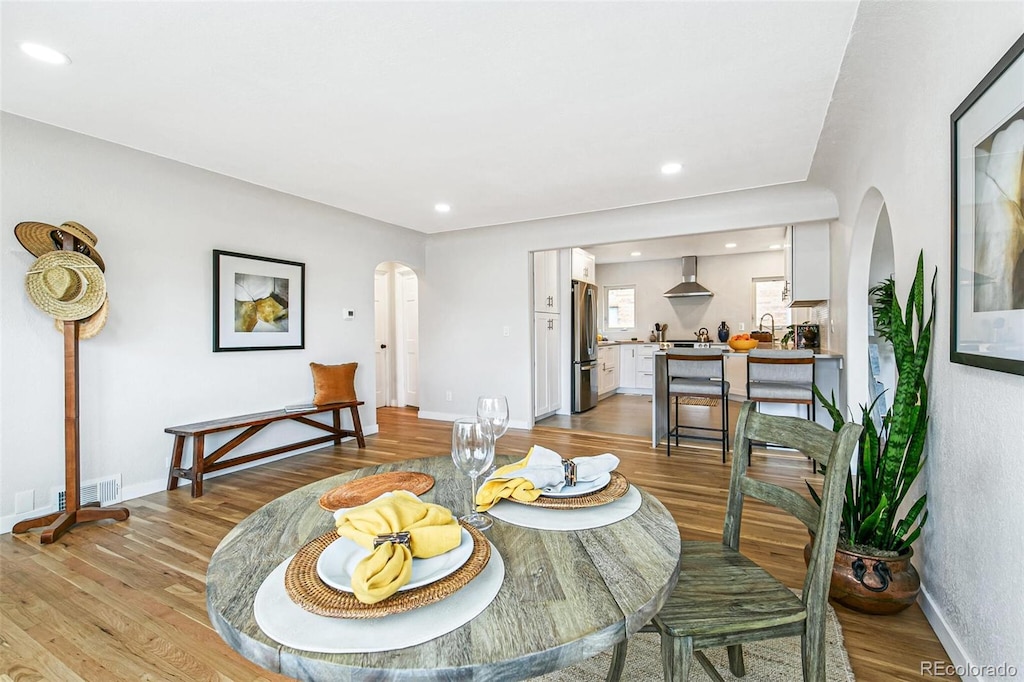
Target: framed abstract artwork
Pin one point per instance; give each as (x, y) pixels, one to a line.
(987, 274)
(258, 303)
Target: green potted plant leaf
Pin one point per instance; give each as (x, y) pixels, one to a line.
(788, 337)
(873, 572)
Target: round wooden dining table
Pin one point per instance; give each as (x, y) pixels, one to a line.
(566, 595)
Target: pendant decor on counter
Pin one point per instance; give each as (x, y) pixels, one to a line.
(723, 331)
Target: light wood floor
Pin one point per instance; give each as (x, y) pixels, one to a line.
(126, 601)
(624, 414)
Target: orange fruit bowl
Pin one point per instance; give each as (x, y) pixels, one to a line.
(742, 344)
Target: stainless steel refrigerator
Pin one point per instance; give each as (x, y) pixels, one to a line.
(584, 346)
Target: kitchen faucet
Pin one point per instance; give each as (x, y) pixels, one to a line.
(760, 324)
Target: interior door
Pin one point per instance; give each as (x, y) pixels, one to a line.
(409, 295)
(381, 316)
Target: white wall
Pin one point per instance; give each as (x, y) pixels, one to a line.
(729, 277)
(887, 133)
(478, 282)
(158, 222)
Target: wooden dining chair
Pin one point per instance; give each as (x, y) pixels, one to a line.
(725, 599)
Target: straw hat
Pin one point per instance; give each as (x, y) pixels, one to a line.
(66, 285)
(92, 325)
(40, 238)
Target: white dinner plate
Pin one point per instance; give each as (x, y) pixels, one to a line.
(582, 487)
(336, 563)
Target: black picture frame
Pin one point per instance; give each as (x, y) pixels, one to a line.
(808, 336)
(259, 303)
(987, 270)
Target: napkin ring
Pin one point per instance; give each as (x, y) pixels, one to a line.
(399, 538)
(570, 471)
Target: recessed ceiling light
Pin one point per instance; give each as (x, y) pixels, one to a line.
(671, 168)
(442, 208)
(731, 245)
(635, 253)
(44, 53)
(775, 246)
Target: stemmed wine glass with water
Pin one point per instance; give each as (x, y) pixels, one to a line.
(473, 454)
(494, 408)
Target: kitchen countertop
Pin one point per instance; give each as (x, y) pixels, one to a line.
(714, 344)
(821, 353)
(625, 343)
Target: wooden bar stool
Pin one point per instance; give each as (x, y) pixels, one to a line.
(782, 376)
(696, 373)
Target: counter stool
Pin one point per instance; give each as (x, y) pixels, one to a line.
(696, 373)
(782, 376)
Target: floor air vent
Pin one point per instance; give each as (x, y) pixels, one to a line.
(104, 491)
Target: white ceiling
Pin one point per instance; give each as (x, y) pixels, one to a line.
(508, 111)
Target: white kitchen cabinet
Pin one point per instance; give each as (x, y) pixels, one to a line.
(584, 266)
(645, 367)
(636, 368)
(608, 370)
(545, 282)
(547, 352)
(807, 265)
(736, 375)
(627, 366)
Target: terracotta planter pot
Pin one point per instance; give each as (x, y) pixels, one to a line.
(872, 584)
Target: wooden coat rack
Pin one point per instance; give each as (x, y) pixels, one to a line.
(74, 512)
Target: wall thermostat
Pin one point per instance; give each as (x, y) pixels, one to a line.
(348, 314)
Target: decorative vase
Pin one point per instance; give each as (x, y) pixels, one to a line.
(872, 584)
(723, 332)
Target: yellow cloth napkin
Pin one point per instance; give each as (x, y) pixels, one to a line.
(432, 530)
(539, 472)
(503, 484)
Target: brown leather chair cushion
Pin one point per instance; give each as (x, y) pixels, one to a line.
(333, 383)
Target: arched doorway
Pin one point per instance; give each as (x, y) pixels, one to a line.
(871, 261)
(396, 335)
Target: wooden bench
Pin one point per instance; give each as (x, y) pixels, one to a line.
(253, 424)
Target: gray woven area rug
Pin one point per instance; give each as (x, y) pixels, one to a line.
(776, 660)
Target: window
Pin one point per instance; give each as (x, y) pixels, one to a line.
(620, 307)
(768, 301)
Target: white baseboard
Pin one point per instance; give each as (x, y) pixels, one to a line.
(633, 391)
(450, 417)
(946, 636)
(141, 489)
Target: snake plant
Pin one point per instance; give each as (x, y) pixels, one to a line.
(891, 453)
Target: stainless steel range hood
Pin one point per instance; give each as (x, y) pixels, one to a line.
(689, 285)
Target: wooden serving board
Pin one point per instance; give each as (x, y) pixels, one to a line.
(363, 490)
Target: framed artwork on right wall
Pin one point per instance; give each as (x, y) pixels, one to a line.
(987, 274)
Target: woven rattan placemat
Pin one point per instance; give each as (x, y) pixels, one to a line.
(616, 488)
(305, 588)
(368, 488)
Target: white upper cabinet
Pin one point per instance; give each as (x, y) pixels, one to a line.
(545, 282)
(584, 267)
(807, 265)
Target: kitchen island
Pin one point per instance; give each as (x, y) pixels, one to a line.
(828, 377)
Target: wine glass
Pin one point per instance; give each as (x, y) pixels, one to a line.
(473, 453)
(494, 408)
